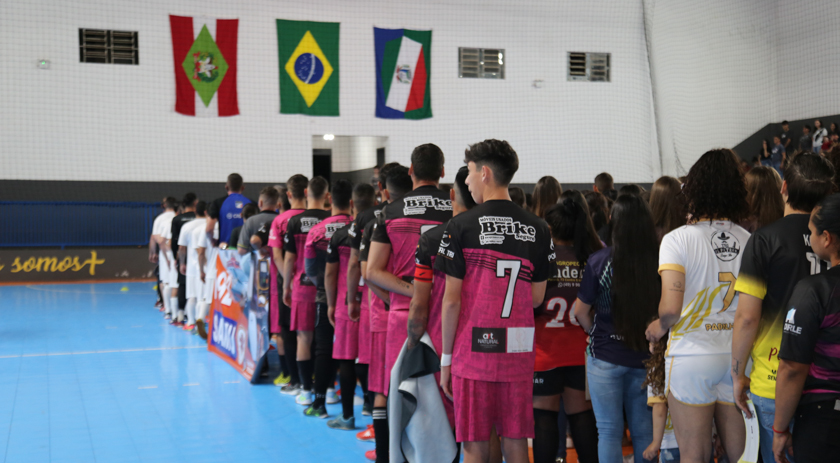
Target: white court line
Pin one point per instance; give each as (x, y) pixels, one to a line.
(231, 382)
(147, 387)
(106, 351)
(90, 291)
(191, 384)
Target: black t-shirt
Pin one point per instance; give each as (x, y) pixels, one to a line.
(812, 334)
(177, 223)
(427, 247)
(355, 230)
(367, 234)
(234, 237)
(785, 137)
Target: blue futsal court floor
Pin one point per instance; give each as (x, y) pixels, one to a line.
(93, 373)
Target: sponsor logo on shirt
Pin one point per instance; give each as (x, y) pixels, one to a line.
(417, 205)
(495, 229)
(306, 223)
(377, 213)
(332, 228)
(489, 340)
(790, 323)
(352, 230)
(726, 246)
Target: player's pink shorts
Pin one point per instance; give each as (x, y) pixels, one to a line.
(376, 372)
(480, 405)
(346, 341)
(397, 334)
(364, 337)
(303, 316)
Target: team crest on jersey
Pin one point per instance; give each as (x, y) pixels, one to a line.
(726, 246)
(306, 223)
(238, 204)
(495, 229)
(417, 205)
(332, 228)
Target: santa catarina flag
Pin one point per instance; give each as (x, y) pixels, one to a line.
(204, 50)
(308, 67)
(403, 73)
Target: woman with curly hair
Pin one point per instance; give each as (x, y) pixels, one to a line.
(698, 264)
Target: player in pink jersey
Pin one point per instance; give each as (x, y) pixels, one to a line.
(315, 256)
(347, 331)
(496, 258)
(281, 318)
(425, 311)
(298, 292)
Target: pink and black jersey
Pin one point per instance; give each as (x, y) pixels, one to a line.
(366, 217)
(315, 250)
(338, 252)
(405, 220)
(298, 227)
(498, 249)
(378, 308)
(425, 256)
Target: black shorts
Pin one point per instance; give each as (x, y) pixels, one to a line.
(815, 426)
(552, 382)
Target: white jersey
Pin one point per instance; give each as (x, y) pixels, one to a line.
(709, 254)
(162, 226)
(187, 238)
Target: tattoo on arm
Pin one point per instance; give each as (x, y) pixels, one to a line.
(416, 328)
(736, 366)
(678, 287)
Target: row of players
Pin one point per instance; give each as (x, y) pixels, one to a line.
(470, 269)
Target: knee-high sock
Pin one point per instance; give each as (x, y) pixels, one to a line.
(324, 378)
(362, 376)
(585, 436)
(305, 368)
(190, 310)
(380, 431)
(173, 307)
(166, 299)
(546, 436)
(290, 349)
(347, 380)
(202, 310)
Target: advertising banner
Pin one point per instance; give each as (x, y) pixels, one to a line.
(54, 265)
(238, 320)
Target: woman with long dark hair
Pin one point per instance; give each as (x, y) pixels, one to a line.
(560, 342)
(666, 205)
(599, 210)
(547, 192)
(699, 264)
(618, 297)
(764, 196)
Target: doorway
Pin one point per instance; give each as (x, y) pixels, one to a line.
(353, 158)
(322, 163)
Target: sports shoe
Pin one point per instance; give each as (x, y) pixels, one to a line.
(367, 409)
(367, 435)
(290, 389)
(188, 327)
(332, 397)
(371, 455)
(202, 329)
(320, 412)
(176, 323)
(167, 316)
(343, 424)
(282, 380)
(304, 398)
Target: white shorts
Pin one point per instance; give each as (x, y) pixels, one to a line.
(194, 285)
(699, 379)
(173, 271)
(209, 278)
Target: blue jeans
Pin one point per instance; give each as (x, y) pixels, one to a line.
(614, 389)
(765, 411)
(669, 455)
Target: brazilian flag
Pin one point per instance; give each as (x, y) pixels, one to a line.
(308, 67)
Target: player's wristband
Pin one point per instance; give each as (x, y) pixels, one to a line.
(446, 360)
(778, 432)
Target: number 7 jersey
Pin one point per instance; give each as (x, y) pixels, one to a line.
(709, 254)
(498, 249)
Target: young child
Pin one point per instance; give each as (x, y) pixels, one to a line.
(663, 430)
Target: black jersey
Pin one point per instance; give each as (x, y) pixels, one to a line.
(775, 258)
(427, 249)
(498, 249)
(812, 334)
(355, 230)
(178, 222)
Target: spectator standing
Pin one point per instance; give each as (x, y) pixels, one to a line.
(805, 141)
(604, 185)
(666, 205)
(546, 193)
(820, 133)
(786, 138)
(808, 384)
(764, 197)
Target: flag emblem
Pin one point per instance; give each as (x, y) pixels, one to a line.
(403, 66)
(309, 69)
(204, 51)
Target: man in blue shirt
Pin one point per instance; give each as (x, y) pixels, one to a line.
(777, 155)
(227, 210)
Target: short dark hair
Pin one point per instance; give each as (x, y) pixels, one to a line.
(342, 193)
(604, 182)
(383, 172)
(189, 199)
(318, 187)
(249, 210)
(201, 208)
(234, 182)
(826, 215)
(283, 202)
(297, 185)
(363, 197)
(427, 161)
(785, 123)
(270, 196)
(461, 188)
(715, 188)
(497, 155)
(806, 126)
(170, 202)
(809, 179)
(631, 189)
(399, 182)
(517, 195)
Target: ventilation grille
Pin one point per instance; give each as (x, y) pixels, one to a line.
(589, 67)
(481, 63)
(108, 47)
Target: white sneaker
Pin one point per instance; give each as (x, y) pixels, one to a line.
(332, 397)
(304, 398)
(358, 400)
